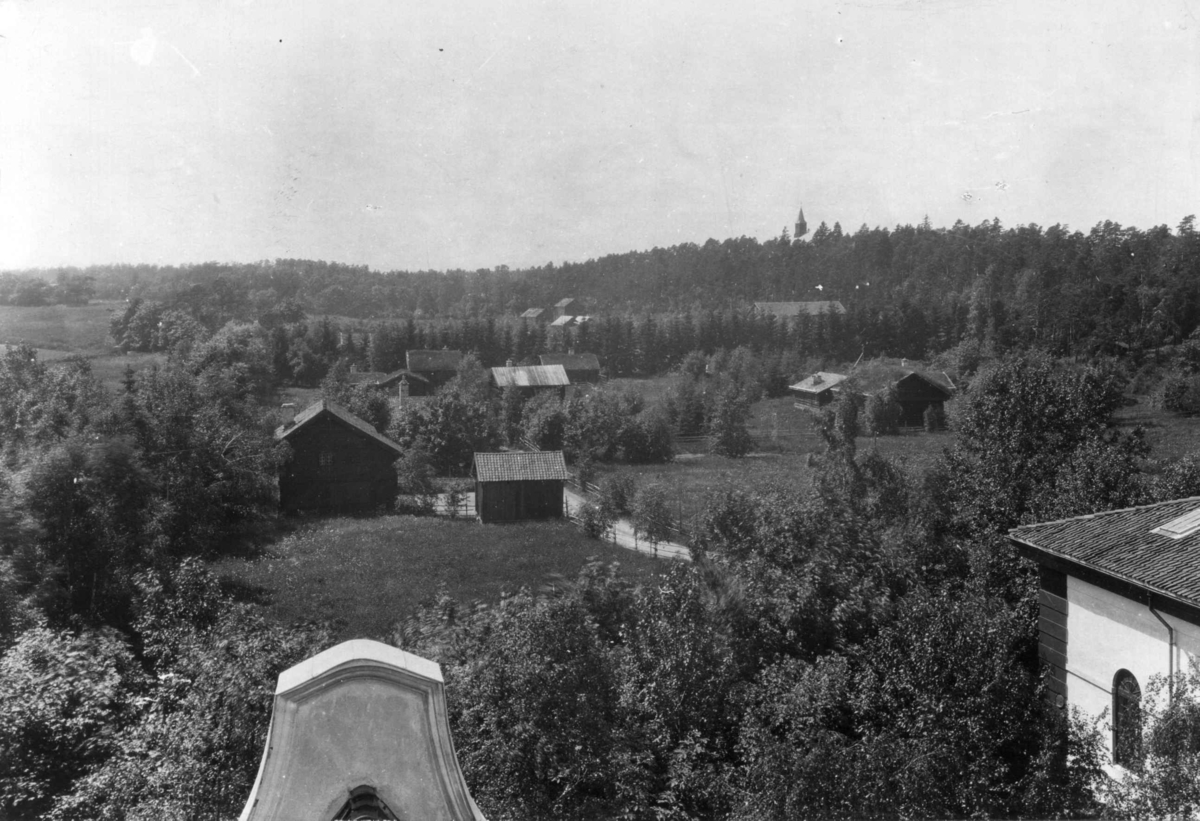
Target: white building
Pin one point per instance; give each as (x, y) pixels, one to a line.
(1119, 603)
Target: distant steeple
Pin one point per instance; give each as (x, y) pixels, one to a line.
(801, 226)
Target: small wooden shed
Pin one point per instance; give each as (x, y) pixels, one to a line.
(531, 379)
(816, 391)
(339, 463)
(517, 485)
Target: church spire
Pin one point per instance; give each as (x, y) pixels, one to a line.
(801, 226)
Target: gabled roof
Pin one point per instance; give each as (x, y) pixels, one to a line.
(787, 310)
(520, 466)
(819, 382)
(562, 303)
(325, 407)
(533, 313)
(530, 376)
(395, 376)
(572, 361)
(562, 321)
(1122, 544)
(433, 360)
(875, 376)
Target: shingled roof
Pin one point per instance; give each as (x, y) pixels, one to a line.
(530, 376)
(1123, 544)
(324, 406)
(433, 360)
(520, 466)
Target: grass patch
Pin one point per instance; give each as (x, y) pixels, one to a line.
(72, 328)
(365, 574)
(1169, 435)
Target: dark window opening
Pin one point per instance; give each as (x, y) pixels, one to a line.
(364, 805)
(1127, 720)
(326, 458)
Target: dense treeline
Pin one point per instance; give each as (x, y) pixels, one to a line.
(909, 290)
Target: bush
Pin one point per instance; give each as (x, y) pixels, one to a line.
(616, 492)
(593, 520)
(882, 414)
(934, 419)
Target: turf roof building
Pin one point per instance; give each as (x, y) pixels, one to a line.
(338, 462)
(1119, 603)
(517, 485)
(914, 391)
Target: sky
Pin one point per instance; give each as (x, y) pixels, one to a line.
(436, 135)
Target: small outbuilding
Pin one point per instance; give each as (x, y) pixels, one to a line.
(517, 485)
(531, 379)
(436, 367)
(564, 307)
(580, 367)
(339, 463)
(417, 384)
(914, 391)
(535, 315)
(816, 391)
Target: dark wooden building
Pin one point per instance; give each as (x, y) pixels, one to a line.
(816, 391)
(436, 367)
(564, 307)
(518, 485)
(580, 367)
(417, 384)
(338, 462)
(914, 391)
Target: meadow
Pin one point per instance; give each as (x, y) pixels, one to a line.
(365, 574)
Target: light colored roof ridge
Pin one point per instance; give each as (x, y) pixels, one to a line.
(325, 406)
(1102, 513)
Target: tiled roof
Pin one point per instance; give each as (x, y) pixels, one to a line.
(324, 406)
(433, 360)
(530, 376)
(520, 466)
(818, 382)
(1120, 543)
(533, 313)
(790, 309)
(572, 361)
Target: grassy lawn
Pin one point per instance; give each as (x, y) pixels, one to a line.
(364, 574)
(1169, 435)
(73, 328)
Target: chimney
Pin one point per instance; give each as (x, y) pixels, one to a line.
(288, 413)
(508, 363)
(403, 392)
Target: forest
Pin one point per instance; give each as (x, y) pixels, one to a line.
(861, 645)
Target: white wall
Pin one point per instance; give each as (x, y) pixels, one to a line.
(1106, 633)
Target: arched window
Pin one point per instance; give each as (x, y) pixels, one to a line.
(364, 805)
(1127, 719)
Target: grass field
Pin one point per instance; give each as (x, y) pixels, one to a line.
(69, 328)
(365, 574)
(1170, 435)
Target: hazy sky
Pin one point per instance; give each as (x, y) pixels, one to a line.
(410, 135)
